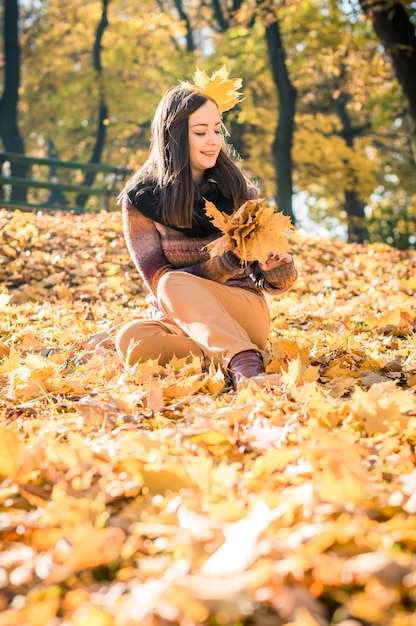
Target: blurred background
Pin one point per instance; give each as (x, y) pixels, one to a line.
(327, 126)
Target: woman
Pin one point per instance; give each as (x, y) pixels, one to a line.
(213, 308)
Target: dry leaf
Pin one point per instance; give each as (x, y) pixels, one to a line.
(10, 449)
(253, 231)
(383, 406)
(85, 547)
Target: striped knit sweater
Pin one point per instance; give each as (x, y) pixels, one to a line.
(156, 249)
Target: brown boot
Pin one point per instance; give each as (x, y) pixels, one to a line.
(245, 365)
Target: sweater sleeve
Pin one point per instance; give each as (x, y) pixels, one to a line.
(144, 244)
(219, 268)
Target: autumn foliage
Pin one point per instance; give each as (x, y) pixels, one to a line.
(253, 231)
(153, 496)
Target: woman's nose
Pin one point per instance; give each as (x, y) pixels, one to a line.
(213, 137)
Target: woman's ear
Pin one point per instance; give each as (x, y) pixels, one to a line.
(253, 193)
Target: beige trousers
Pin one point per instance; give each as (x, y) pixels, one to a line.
(203, 318)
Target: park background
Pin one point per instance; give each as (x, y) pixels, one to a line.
(327, 125)
(151, 496)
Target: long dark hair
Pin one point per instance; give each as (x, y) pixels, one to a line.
(168, 167)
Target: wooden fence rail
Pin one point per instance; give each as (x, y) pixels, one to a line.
(110, 177)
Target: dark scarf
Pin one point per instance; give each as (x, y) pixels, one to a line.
(148, 203)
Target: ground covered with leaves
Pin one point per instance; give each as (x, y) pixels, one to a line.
(153, 496)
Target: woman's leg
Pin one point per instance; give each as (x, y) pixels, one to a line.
(141, 340)
(222, 320)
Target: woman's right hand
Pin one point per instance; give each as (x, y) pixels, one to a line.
(275, 260)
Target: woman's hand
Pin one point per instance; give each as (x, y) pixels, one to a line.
(275, 260)
(244, 261)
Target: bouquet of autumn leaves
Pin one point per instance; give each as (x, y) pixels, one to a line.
(252, 232)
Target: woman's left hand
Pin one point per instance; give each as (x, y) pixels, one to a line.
(275, 260)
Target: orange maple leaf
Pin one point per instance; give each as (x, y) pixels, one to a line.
(252, 231)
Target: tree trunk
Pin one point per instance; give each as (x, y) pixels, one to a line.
(102, 106)
(190, 45)
(282, 145)
(220, 18)
(9, 130)
(55, 196)
(353, 206)
(396, 32)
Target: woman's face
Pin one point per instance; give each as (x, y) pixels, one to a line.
(205, 138)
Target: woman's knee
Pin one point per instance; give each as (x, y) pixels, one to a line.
(170, 282)
(124, 338)
(131, 336)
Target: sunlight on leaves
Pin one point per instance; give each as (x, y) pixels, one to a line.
(155, 495)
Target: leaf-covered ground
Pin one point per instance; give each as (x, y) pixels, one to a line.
(158, 496)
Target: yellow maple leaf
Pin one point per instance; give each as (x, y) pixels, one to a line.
(219, 87)
(252, 231)
(383, 406)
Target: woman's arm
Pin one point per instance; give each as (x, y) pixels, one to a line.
(144, 243)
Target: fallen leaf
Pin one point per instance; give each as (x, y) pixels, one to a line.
(383, 406)
(10, 450)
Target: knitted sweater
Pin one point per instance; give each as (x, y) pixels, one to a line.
(156, 249)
